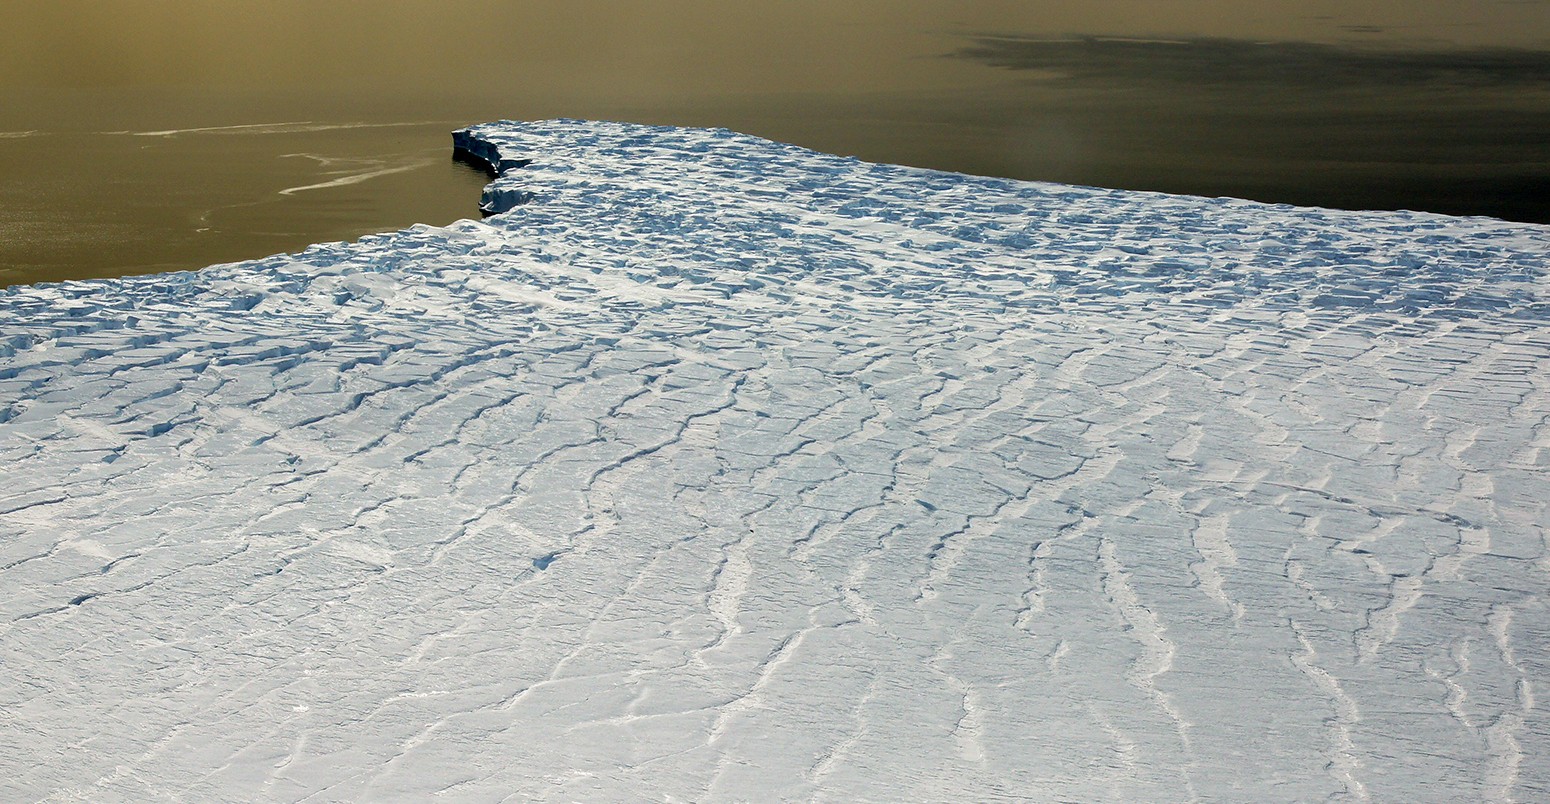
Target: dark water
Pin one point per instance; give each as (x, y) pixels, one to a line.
(140, 137)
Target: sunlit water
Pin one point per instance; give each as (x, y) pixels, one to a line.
(138, 140)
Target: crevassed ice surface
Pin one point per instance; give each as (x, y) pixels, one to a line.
(726, 470)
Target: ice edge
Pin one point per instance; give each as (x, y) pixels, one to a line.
(468, 146)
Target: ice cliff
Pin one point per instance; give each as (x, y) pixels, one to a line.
(711, 468)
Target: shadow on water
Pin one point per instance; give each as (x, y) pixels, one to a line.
(1207, 63)
(474, 163)
(1464, 132)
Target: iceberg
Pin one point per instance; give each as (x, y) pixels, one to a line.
(708, 468)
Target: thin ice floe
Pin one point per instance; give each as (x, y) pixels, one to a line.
(710, 468)
(293, 127)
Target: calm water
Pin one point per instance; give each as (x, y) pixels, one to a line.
(137, 138)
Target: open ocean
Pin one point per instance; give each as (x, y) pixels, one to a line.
(137, 140)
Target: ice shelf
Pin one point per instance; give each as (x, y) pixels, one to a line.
(709, 468)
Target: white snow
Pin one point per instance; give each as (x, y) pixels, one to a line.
(725, 470)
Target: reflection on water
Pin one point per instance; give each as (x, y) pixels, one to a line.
(145, 137)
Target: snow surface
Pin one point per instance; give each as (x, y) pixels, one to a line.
(722, 469)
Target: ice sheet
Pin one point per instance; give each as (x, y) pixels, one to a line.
(716, 469)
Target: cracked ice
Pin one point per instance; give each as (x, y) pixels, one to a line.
(712, 469)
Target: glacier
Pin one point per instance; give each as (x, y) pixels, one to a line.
(709, 468)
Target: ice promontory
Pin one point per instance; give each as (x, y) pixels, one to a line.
(713, 469)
